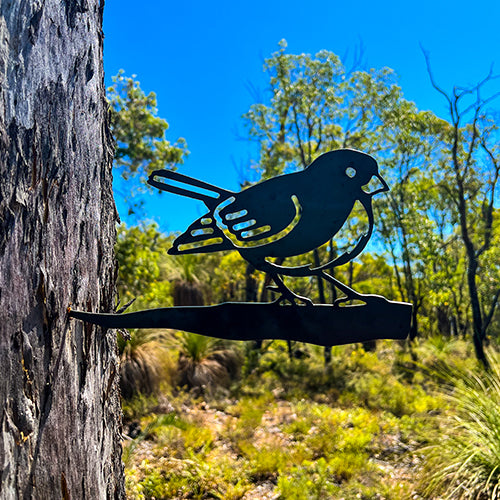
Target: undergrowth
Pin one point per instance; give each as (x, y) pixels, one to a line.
(292, 429)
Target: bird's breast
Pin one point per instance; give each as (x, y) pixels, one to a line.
(314, 229)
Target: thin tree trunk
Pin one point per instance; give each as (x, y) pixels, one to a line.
(468, 136)
(472, 261)
(327, 351)
(59, 403)
(478, 333)
(264, 297)
(251, 285)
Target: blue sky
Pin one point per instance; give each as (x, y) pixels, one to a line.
(200, 58)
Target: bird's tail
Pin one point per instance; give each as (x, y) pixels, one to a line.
(177, 183)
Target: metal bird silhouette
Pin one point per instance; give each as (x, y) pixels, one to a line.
(288, 215)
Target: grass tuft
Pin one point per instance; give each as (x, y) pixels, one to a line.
(464, 462)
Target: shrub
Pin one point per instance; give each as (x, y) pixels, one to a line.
(205, 362)
(311, 480)
(140, 363)
(465, 460)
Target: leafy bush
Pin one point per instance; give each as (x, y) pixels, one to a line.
(142, 268)
(290, 428)
(312, 480)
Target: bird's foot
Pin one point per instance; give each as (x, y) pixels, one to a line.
(350, 297)
(342, 300)
(366, 299)
(289, 296)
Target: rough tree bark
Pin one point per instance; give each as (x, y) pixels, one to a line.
(59, 405)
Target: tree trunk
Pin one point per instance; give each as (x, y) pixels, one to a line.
(59, 403)
(478, 333)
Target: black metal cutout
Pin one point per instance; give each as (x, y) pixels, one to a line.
(288, 215)
(320, 324)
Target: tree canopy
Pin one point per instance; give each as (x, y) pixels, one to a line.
(141, 145)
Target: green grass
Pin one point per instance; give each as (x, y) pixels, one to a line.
(295, 429)
(464, 461)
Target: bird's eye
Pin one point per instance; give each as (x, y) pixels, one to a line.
(350, 172)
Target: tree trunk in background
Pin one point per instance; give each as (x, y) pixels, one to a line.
(59, 404)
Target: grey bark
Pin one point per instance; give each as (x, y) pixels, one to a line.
(59, 403)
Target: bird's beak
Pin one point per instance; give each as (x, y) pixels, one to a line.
(376, 185)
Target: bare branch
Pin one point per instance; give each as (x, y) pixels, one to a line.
(431, 75)
(299, 140)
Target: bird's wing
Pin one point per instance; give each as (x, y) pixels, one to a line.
(202, 236)
(251, 219)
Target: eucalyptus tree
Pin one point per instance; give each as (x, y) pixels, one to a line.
(60, 416)
(470, 180)
(411, 216)
(315, 104)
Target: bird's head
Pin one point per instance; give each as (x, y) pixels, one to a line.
(356, 171)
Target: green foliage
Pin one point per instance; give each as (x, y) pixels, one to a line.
(262, 444)
(161, 422)
(464, 462)
(309, 480)
(141, 146)
(381, 389)
(249, 413)
(374, 380)
(314, 105)
(140, 142)
(138, 406)
(142, 266)
(197, 347)
(411, 218)
(228, 278)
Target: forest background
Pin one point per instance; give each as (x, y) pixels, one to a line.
(436, 245)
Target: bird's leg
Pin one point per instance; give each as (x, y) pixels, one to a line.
(349, 292)
(286, 293)
(352, 294)
(273, 270)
